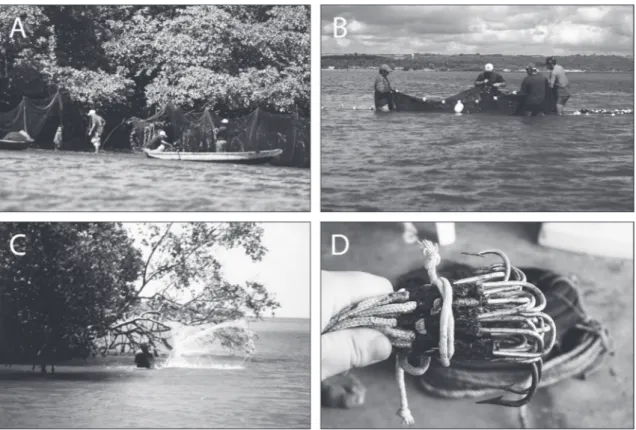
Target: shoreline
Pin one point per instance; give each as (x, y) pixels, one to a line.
(473, 71)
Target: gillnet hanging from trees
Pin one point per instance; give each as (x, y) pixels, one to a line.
(38, 117)
(258, 131)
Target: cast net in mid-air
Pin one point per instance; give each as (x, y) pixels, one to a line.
(197, 132)
(38, 117)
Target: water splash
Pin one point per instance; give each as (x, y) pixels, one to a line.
(225, 346)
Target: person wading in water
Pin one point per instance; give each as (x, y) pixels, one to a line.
(145, 359)
(222, 136)
(95, 130)
(383, 95)
(534, 88)
(490, 78)
(559, 83)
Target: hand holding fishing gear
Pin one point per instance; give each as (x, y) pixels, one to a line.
(494, 315)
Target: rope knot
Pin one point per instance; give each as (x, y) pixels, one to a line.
(431, 254)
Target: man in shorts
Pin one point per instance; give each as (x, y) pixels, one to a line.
(558, 81)
(96, 128)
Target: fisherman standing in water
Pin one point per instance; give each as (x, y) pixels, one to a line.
(533, 88)
(96, 128)
(222, 136)
(57, 140)
(490, 78)
(558, 81)
(383, 95)
(145, 359)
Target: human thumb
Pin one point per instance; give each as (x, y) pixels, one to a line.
(358, 347)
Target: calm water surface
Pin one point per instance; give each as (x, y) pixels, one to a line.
(40, 180)
(442, 162)
(272, 390)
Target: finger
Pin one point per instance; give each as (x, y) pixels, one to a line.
(341, 289)
(346, 349)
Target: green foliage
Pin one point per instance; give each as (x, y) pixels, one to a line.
(82, 283)
(182, 281)
(67, 288)
(130, 60)
(92, 89)
(220, 57)
(22, 59)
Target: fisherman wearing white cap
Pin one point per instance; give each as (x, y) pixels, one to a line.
(158, 143)
(490, 78)
(95, 129)
(222, 136)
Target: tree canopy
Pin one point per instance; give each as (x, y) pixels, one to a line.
(131, 60)
(86, 288)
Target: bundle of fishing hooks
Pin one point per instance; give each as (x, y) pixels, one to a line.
(494, 315)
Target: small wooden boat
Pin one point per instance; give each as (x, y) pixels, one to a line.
(249, 157)
(14, 145)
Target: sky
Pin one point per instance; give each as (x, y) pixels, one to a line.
(284, 270)
(530, 30)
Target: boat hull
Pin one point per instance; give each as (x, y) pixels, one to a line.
(251, 157)
(475, 100)
(12, 145)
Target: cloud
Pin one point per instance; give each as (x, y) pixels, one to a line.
(541, 30)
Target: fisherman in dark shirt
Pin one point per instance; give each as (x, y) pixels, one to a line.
(222, 136)
(383, 95)
(533, 88)
(145, 359)
(490, 78)
(96, 128)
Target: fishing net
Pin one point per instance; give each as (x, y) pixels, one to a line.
(38, 117)
(474, 100)
(196, 132)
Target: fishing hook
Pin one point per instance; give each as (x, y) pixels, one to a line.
(536, 369)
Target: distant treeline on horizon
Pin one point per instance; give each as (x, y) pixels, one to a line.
(475, 62)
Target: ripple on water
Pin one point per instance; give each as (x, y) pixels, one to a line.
(44, 181)
(416, 162)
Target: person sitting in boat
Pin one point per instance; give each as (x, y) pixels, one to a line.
(18, 136)
(558, 81)
(490, 79)
(96, 128)
(145, 359)
(158, 143)
(222, 136)
(57, 140)
(383, 93)
(534, 89)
